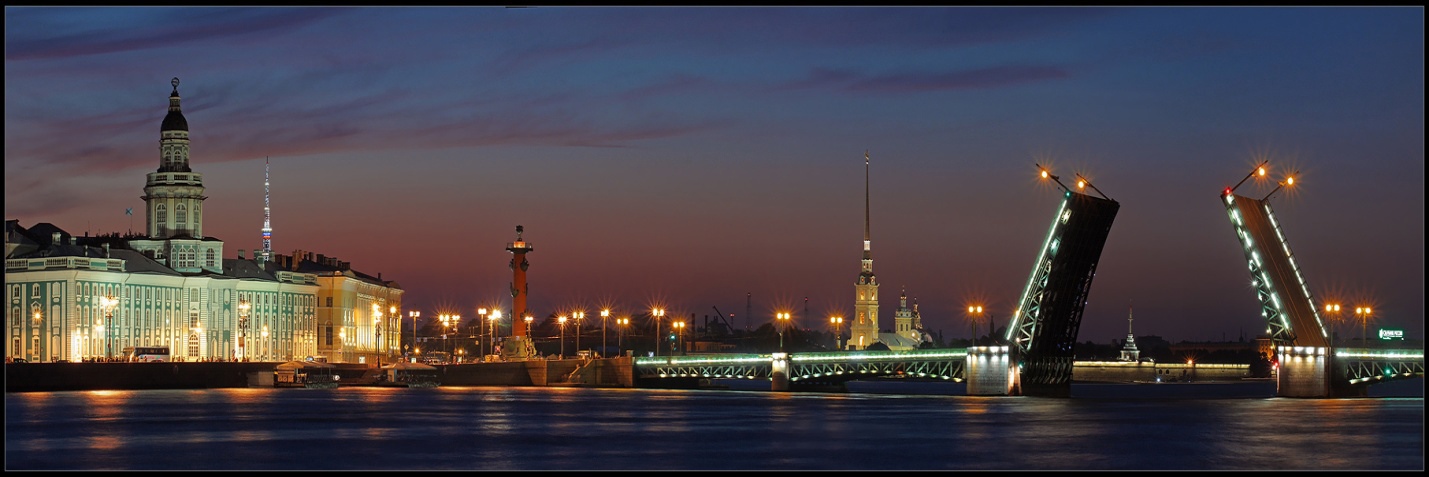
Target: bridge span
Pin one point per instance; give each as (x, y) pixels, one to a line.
(1309, 364)
(987, 370)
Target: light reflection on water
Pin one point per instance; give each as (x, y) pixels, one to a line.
(493, 428)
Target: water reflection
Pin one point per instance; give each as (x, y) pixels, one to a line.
(492, 428)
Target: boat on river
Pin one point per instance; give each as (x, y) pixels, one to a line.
(305, 374)
(408, 375)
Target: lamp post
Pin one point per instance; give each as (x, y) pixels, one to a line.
(392, 314)
(413, 347)
(242, 328)
(838, 322)
(1333, 309)
(680, 329)
(108, 302)
(974, 314)
(604, 343)
(620, 338)
(1363, 312)
(578, 316)
(656, 314)
(528, 319)
(481, 346)
(265, 342)
(495, 322)
(562, 321)
(376, 330)
(779, 320)
(443, 318)
(446, 320)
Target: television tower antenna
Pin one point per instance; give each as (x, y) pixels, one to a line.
(267, 218)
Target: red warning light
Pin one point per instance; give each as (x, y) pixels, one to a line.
(1228, 191)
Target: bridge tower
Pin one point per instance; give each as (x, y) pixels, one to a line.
(519, 347)
(1301, 339)
(864, 330)
(1044, 327)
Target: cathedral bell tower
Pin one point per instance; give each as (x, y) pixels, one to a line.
(864, 330)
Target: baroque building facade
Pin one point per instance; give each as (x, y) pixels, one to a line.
(87, 298)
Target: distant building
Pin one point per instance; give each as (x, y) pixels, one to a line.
(82, 298)
(908, 326)
(1128, 349)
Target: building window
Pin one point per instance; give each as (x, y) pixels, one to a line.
(210, 258)
(181, 214)
(329, 303)
(162, 213)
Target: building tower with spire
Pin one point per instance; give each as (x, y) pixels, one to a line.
(267, 254)
(864, 330)
(903, 318)
(173, 199)
(1128, 349)
(918, 321)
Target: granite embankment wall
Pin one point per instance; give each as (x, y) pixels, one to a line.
(29, 377)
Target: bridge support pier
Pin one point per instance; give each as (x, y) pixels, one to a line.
(991, 371)
(1304, 371)
(779, 373)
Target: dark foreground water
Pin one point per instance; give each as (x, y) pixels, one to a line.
(491, 428)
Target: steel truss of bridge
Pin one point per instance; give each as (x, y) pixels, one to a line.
(1365, 366)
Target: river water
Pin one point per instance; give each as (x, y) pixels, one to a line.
(1112, 427)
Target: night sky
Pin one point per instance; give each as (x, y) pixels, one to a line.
(684, 157)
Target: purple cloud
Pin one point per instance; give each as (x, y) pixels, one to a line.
(985, 78)
(180, 27)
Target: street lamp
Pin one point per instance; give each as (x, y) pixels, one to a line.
(265, 342)
(481, 346)
(108, 302)
(779, 320)
(620, 338)
(495, 322)
(1363, 312)
(562, 354)
(974, 314)
(838, 322)
(528, 319)
(413, 347)
(656, 314)
(680, 329)
(604, 343)
(392, 314)
(448, 320)
(242, 328)
(376, 328)
(578, 316)
(1333, 309)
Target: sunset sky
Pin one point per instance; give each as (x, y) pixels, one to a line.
(687, 156)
